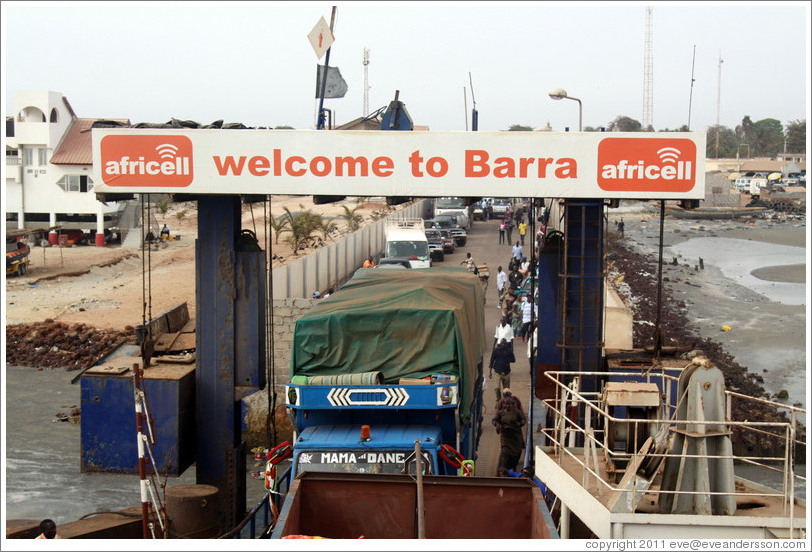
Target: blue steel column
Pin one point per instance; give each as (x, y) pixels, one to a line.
(548, 354)
(219, 461)
(582, 272)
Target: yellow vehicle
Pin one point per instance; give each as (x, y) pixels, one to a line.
(17, 258)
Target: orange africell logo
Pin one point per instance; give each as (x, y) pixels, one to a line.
(146, 160)
(647, 165)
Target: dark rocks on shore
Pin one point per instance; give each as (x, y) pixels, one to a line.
(51, 344)
(640, 273)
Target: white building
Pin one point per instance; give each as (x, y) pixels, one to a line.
(49, 164)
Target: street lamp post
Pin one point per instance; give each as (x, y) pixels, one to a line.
(560, 94)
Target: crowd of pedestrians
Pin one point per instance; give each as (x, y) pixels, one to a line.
(518, 314)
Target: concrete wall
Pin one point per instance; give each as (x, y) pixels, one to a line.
(332, 264)
(618, 329)
(719, 191)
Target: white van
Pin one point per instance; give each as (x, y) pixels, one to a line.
(406, 239)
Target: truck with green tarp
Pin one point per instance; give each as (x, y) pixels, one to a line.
(392, 358)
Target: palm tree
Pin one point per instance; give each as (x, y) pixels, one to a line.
(301, 227)
(326, 226)
(352, 218)
(279, 225)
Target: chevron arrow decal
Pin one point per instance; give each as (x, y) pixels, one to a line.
(396, 396)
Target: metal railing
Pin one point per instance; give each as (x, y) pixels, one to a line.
(571, 405)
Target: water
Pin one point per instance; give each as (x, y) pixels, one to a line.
(43, 477)
(739, 259)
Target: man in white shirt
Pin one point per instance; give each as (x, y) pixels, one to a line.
(526, 317)
(503, 331)
(517, 251)
(501, 280)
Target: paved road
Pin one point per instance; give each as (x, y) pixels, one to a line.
(483, 244)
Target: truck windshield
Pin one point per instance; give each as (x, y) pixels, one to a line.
(359, 461)
(406, 249)
(449, 203)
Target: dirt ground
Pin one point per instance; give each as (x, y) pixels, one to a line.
(106, 287)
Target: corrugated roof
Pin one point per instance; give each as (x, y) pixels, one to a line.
(76, 145)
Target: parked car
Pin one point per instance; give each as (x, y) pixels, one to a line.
(449, 222)
(436, 249)
(501, 204)
(448, 240)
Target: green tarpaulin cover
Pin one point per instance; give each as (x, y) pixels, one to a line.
(403, 323)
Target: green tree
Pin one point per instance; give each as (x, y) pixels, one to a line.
(301, 227)
(767, 138)
(520, 127)
(352, 218)
(279, 225)
(625, 124)
(796, 136)
(728, 142)
(326, 226)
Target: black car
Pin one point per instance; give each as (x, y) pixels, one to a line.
(436, 246)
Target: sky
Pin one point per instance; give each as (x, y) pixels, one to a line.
(252, 63)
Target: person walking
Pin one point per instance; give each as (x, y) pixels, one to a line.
(517, 251)
(516, 315)
(509, 229)
(469, 263)
(527, 309)
(522, 230)
(621, 226)
(503, 331)
(501, 358)
(509, 420)
(502, 231)
(501, 280)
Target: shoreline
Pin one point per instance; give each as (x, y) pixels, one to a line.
(767, 337)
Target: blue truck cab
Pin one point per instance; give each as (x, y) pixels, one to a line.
(373, 428)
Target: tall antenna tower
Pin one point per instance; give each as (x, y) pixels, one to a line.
(366, 82)
(648, 76)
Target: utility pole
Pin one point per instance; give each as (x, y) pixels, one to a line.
(691, 96)
(474, 112)
(648, 75)
(465, 104)
(366, 82)
(718, 104)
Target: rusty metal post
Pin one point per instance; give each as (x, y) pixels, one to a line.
(142, 461)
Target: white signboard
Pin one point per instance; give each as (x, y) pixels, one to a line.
(321, 38)
(639, 165)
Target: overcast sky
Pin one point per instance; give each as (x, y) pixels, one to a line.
(252, 63)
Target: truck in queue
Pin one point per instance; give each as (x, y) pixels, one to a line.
(406, 238)
(390, 359)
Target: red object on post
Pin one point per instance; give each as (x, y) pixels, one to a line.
(99, 240)
(53, 238)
